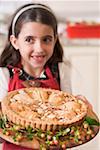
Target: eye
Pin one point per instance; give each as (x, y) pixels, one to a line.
(48, 39)
(29, 39)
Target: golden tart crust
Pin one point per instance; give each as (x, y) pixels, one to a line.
(46, 109)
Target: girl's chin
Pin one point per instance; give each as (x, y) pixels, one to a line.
(38, 65)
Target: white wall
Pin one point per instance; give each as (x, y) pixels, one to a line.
(64, 9)
(75, 9)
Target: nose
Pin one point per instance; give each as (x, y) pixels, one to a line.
(38, 46)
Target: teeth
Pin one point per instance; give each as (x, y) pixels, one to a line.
(37, 56)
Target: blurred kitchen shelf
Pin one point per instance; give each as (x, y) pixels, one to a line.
(80, 42)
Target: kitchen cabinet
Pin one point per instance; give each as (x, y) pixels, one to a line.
(85, 62)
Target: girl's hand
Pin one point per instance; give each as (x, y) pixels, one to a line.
(85, 100)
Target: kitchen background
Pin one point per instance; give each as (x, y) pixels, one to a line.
(79, 32)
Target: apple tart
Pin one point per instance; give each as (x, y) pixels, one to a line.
(42, 108)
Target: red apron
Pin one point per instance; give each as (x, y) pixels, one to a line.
(16, 83)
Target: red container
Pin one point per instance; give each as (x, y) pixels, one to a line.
(83, 31)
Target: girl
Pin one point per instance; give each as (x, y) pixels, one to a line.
(32, 53)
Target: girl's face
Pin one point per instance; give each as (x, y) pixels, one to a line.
(36, 44)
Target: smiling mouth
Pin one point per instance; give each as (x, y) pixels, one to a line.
(38, 57)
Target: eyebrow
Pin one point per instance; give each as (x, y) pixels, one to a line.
(31, 36)
(48, 36)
